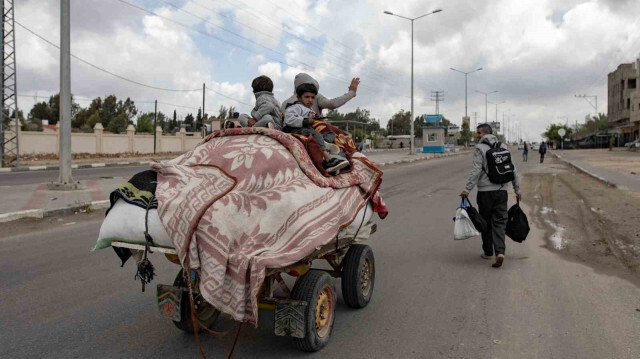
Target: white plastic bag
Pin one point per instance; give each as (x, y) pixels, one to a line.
(463, 227)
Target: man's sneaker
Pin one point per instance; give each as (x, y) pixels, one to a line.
(334, 165)
(499, 260)
(484, 256)
(332, 148)
(228, 124)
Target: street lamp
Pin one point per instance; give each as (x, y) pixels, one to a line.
(465, 85)
(412, 149)
(486, 119)
(498, 103)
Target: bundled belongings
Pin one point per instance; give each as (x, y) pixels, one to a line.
(246, 201)
(463, 227)
(517, 224)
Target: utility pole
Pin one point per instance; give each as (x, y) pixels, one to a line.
(498, 103)
(465, 85)
(204, 129)
(155, 125)
(475, 120)
(9, 145)
(65, 181)
(437, 96)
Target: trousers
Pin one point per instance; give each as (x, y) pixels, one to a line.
(492, 206)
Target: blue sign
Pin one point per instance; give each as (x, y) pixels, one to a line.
(433, 118)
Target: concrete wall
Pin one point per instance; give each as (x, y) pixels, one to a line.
(98, 142)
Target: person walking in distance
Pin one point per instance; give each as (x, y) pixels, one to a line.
(492, 170)
(525, 152)
(542, 150)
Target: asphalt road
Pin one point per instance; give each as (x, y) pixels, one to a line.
(434, 297)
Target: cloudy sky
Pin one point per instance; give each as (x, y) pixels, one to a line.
(536, 53)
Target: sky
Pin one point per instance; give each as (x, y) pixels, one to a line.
(537, 54)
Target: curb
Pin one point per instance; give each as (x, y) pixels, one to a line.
(591, 174)
(40, 213)
(76, 166)
(423, 158)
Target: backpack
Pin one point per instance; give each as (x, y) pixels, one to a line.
(500, 169)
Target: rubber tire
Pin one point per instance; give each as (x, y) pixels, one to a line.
(186, 324)
(308, 288)
(351, 281)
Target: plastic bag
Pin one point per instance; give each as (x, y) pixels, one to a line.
(463, 227)
(517, 224)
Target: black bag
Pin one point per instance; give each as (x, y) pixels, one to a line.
(499, 167)
(517, 224)
(476, 218)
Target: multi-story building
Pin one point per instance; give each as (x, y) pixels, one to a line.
(624, 100)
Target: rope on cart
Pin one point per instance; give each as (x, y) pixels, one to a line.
(363, 216)
(146, 271)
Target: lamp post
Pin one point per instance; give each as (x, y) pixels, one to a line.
(465, 85)
(486, 94)
(412, 147)
(498, 103)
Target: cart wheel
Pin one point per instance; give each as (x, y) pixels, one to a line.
(316, 289)
(358, 276)
(205, 312)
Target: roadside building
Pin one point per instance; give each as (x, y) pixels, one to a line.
(624, 101)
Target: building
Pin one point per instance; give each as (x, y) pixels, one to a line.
(624, 101)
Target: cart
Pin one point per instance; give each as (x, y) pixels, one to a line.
(304, 312)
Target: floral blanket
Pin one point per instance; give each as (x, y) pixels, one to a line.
(249, 199)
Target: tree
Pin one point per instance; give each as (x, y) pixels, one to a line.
(145, 123)
(174, 122)
(465, 133)
(552, 132)
(230, 112)
(400, 123)
(188, 120)
(223, 112)
(119, 123)
(40, 111)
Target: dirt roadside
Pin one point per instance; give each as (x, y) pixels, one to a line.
(584, 219)
(78, 158)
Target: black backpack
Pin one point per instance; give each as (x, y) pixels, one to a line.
(500, 169)
(517, 224)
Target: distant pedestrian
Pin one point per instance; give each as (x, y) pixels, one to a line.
(525, 152)
(542, 150)
(401, 145)
(492, 197)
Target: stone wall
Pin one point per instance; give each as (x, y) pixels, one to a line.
(99, 142)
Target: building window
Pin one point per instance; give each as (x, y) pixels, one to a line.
(631, 83)
(433, 137)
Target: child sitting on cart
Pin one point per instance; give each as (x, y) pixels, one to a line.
(299, 119)
(266, 112)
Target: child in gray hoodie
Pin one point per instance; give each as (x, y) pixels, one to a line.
(266, 112)
(299, 119)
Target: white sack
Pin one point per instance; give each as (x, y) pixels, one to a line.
(463, 227)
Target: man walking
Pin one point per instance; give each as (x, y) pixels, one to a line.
(492, 197)
(542, 150)
(525, 152)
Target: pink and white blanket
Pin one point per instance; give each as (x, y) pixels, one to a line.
(249, 199)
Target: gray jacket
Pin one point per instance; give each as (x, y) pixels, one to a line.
(266, 104)
(478, 175)
(321, 102)
(297, 116)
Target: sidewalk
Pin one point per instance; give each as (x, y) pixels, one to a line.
(618, 168)
(37, 201)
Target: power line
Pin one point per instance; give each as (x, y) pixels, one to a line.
(104, 70)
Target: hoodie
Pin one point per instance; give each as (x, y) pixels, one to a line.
(266, 104)
(321, 102)
(478, 175)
